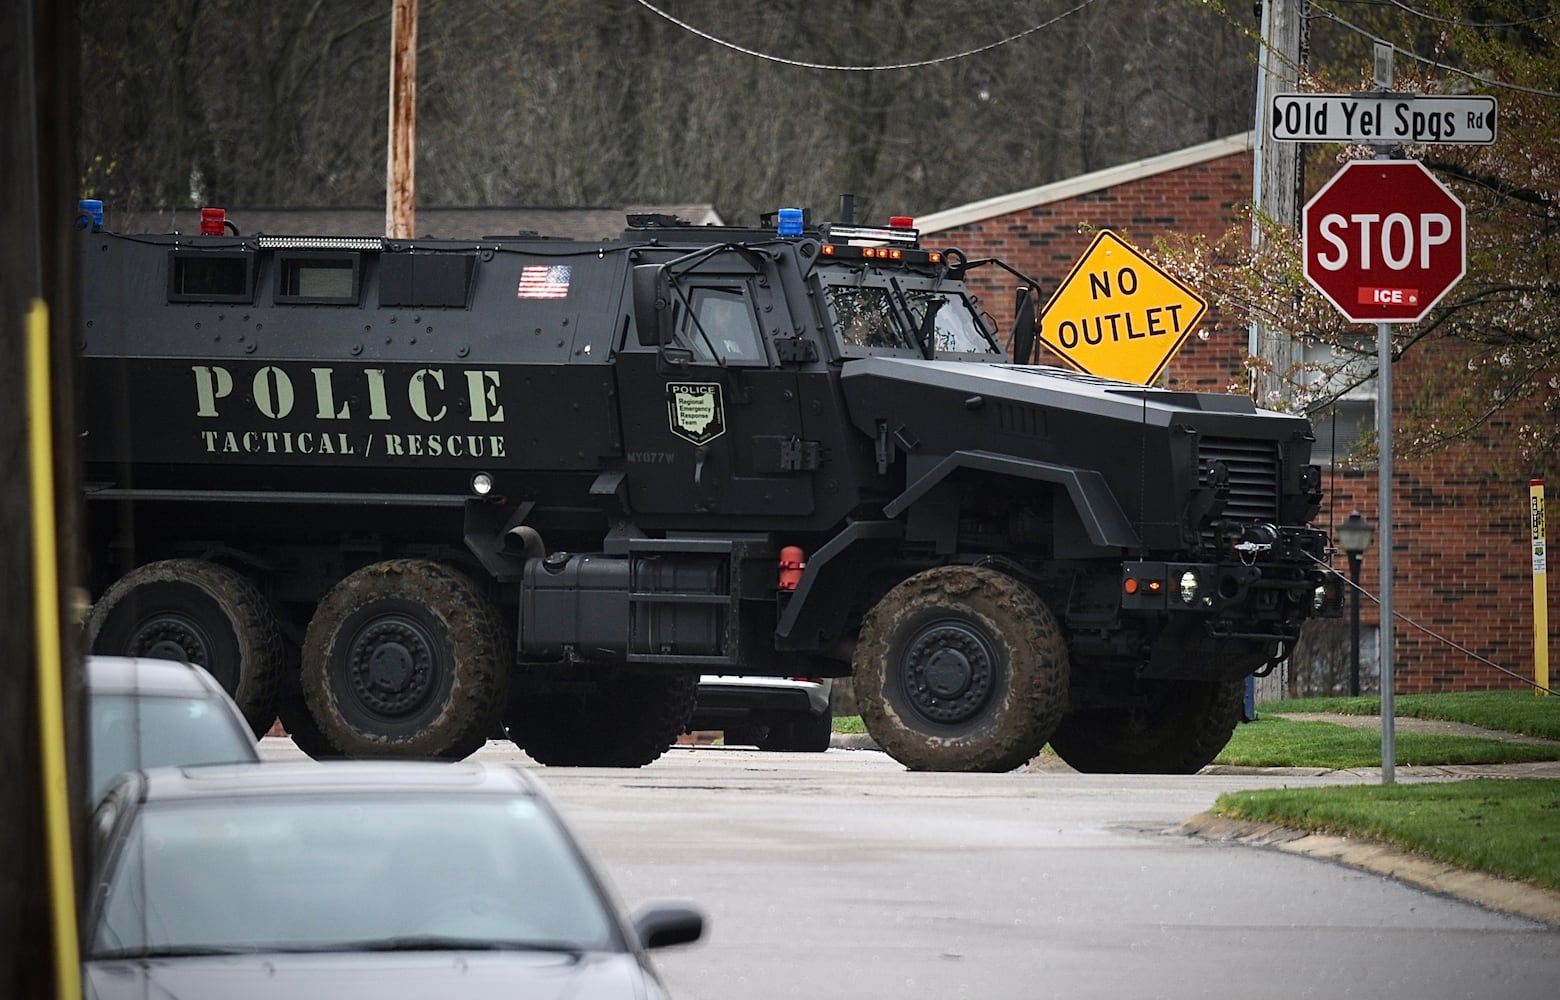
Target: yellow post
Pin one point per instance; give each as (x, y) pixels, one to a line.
(51, 710)
(1540, 590)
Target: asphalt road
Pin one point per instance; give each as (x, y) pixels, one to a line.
(842, 874)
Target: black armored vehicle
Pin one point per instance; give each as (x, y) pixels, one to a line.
(410, 494)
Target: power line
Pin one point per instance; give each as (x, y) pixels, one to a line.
(1399, 616)
(860, 69)
(1459, 23)
(1329, 15)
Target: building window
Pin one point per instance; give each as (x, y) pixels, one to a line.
(1342, 378)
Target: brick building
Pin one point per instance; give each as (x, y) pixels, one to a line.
(1462, 558)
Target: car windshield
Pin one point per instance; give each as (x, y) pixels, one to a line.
(864, 316)
(348, 874)
(130, 732)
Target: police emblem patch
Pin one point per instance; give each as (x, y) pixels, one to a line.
(695, 411)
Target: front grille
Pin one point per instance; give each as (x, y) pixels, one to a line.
(1253, 476)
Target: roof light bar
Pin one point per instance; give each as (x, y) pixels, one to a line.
(320, 242)
(909, 237)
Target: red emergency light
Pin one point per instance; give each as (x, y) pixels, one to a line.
(213, 221)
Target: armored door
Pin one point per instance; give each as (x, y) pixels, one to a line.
(715, 426)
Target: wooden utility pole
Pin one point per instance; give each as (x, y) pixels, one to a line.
(1277, 171)
(41, 774)
(401, 162)
(1275, 179)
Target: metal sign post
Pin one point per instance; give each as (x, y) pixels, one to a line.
(1384, 489)
(1383, 241)
(1540, 587)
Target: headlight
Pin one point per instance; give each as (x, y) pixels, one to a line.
(482, 484)
(1188, 587)
(1319, 599)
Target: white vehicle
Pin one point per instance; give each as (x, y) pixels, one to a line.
(145, 712)
(771, 713)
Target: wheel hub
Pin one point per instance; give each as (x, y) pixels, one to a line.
(171, 637)
(950, 670)
(390, 664)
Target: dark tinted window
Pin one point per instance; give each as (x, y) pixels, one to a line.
(420, 279)
(210, 277)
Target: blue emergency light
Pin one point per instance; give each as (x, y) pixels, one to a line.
(90, 211)
(790, 222)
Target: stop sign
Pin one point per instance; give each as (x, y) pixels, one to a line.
(1384, 240)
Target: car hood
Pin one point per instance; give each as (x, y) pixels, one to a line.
(380, 976)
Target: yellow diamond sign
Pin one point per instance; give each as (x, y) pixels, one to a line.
(1118, 315)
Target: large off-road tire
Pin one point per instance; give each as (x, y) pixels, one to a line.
(629, 721)
(199, 612)
(304, 731)
(961, 668)
(1179, 727)
(405, 658)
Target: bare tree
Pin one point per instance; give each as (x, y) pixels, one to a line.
(566, 102)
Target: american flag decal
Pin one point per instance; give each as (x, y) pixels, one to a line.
(544, 281)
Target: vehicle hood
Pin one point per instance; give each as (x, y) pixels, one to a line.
(380, 976)
(873, 384)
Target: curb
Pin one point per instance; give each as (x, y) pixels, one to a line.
(1505, 895)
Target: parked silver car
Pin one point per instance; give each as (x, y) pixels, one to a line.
(143, 713)
(364, 878)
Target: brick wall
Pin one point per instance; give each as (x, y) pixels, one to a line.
(1462, 565)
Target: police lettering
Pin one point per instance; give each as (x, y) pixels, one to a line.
(426, 394)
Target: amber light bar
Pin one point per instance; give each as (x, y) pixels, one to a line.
(841, 251)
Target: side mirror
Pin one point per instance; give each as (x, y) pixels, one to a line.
(1023, 336)
(660, 925)
(652, 305)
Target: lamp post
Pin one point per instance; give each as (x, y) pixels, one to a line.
(1354, 537)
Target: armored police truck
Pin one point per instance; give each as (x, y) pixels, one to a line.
(411, 494)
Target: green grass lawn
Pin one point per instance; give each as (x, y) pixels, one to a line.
(1512, 711)
(1273, 741)
(1509, 828)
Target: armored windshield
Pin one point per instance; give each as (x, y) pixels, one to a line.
(878, 318)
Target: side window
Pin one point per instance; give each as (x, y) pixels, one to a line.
(723, 327)
(318, 278)
(197, 276)
(956, 330)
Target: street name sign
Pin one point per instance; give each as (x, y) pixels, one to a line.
(1118, 315)
(1384, 240)
(1383, 118)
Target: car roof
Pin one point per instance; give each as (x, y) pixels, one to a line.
(295, 779)
(147, 676)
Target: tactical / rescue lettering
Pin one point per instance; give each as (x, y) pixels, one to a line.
(436, 445)
(276, 443)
